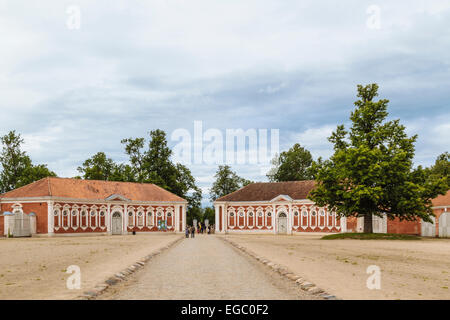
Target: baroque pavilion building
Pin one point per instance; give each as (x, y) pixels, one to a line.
(74, 206)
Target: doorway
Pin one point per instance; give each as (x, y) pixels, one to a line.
(116, 225)
(282, 223)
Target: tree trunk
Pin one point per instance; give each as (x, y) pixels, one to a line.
(368, 226)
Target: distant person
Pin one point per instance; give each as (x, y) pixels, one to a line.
(187, 231)
(192, 232)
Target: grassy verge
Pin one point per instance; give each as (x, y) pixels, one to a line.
(371, 236)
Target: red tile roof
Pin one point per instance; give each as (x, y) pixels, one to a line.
(92, 190)
(266, 191)
(442, 200)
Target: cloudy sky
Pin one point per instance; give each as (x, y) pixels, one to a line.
(78, 76)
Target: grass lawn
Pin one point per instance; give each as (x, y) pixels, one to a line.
(371, 236)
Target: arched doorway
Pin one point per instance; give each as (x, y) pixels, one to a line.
(282, 223)
(444, 225)
(116, 223)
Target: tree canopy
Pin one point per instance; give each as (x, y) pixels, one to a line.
(292, 165)
(17, 167)
(371, 171)
(146, 165)
(226, 181)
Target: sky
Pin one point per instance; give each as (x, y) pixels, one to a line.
(76, 77)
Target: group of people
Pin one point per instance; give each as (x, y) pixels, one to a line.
(202, 228)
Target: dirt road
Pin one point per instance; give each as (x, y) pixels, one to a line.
(204, 268)
(411, 269)
(35, 268)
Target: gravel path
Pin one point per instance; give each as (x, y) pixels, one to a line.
(204, 268)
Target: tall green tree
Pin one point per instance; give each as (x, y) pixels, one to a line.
(441, 167)
(226, 181)
(17, 167)
(154, 165)
(370, 172)
(210, 214)
(98, 167)
(292, 165)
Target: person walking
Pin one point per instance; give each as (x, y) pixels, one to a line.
(187, 231)
(192, 232)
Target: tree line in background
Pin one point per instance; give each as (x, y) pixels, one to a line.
(370, 173)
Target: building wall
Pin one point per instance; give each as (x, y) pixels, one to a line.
(95, 218)
(264, 218)
(403, 227)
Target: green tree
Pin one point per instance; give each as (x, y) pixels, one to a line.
(210, 214)
(17, 167)
(441, 167)
(98, 167)
(370, 172)
(292, 165)
(155, 166)
(226, 182)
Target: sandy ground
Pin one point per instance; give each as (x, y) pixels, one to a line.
(205, 267)
(35, 268)
(415, 269)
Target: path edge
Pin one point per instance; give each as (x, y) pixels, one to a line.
(125, 273)
(304, 285)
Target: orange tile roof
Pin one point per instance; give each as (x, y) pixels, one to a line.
(266, 191)
(92, 190)
(442, 200)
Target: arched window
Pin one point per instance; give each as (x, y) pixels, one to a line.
(149, 219)
(140, 219)
(130, 219)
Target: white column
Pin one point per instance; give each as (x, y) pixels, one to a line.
(108, 218)
(274, 219)
(224, 219)
(216, 211)
(290, 222)
(125, 219)
(50, 218)
(183, 208)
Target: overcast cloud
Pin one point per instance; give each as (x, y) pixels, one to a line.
(134, 66)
